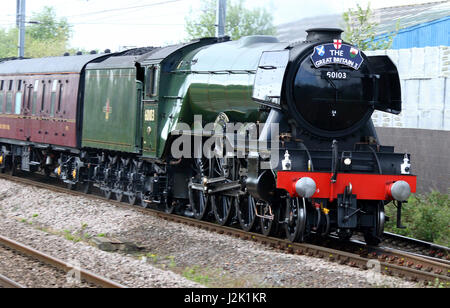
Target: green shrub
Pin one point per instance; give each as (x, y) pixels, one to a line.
(426, 217)
(195, 274)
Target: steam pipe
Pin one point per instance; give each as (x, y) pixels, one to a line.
(275, 117)
(261, 184)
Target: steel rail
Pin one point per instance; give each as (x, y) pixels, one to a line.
(66, 267)
(5, 282)
(390, 262)
(402, 264)
(417, 242)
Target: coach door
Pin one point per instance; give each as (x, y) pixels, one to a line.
(20, 116)
(26, 109)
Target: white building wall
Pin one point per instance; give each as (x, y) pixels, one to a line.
(425, 81)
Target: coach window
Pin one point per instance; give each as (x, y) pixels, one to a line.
(53, 97)
(35, 94)
(2, 95)
(29, 94)
(18, 102)
(9, 97)
(60, 96)
(43, 96)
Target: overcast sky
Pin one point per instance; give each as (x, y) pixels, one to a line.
(101, 24)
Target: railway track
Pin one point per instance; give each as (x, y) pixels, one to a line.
(415, 246)
(385, 260)
(87, 278)
(5, 282)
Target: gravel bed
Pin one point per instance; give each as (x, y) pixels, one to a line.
(32, 273)
(123, 269)
(170, 252)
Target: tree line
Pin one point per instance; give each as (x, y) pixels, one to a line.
(50, 35)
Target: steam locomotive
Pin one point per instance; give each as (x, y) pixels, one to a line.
(270, 136)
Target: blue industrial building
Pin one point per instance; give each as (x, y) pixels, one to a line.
(423, 25)
(419, 25)
(434, 33)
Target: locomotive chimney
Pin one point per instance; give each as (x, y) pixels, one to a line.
(323, 34)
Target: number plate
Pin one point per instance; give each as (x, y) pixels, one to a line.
(336, 75)
(149, 115)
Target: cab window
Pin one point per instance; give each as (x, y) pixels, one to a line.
(152, 81)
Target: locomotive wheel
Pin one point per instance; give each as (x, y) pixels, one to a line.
(119, 196)
(223, 206)
(86, 187)
(373, 236)
(145, 204)
(131, 188)
(199, 202)
(295, 220)
(108, 194)
(71, 186)
(198, 199)
(13, 168)
(169, 207)
(344, 235)
(47, 171)
(132, 199)
(245, 207)
(270, 227)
